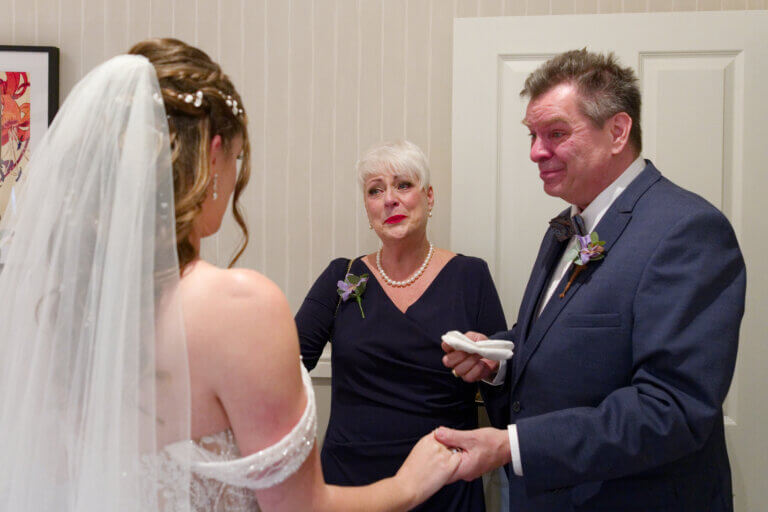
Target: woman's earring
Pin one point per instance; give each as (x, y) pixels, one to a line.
(430, 212)
(215, 186)
(370, 226)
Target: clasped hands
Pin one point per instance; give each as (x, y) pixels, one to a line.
(482, 449)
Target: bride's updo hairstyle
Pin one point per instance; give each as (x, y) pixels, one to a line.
(200, 102)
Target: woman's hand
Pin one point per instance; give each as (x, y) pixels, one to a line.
(429, 466)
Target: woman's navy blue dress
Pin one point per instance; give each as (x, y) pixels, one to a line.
(389, 386)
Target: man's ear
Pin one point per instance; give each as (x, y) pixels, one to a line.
(215, 150)
(619, 125)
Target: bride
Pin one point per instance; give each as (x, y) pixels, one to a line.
(133, 374)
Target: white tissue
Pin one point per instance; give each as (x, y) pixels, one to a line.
(495, 350)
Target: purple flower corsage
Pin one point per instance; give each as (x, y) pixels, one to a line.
(353, 286)
(590, 248)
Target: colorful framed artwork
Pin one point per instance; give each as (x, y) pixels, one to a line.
(29, 98)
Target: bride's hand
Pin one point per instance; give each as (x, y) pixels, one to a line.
(429, 466)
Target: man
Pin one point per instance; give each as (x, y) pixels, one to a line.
(613, 399)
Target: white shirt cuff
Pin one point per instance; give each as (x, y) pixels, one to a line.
(514, 448)
(498, 380)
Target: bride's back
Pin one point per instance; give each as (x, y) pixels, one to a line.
(239, 330)
(238, 327)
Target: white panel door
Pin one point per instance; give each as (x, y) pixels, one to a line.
(704, 113)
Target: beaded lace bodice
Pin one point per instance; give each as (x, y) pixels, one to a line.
(222, 480)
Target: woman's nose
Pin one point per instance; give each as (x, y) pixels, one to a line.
(390, 199)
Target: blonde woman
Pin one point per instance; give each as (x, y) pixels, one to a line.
(389, 386)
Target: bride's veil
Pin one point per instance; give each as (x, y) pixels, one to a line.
(94, 378)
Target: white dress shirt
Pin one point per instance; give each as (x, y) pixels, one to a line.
(591, 215)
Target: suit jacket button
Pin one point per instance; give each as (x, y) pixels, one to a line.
(516, 406)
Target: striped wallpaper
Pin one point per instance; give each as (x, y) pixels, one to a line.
(321, 80)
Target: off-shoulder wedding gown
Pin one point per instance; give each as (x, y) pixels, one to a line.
(223, 480)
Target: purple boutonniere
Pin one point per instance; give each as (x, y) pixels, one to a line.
(590, 248)
(353, 286)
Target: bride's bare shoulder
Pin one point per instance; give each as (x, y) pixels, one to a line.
(243, 344)
(229, 310)
(210, 285)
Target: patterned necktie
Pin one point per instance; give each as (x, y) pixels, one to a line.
(565, 227)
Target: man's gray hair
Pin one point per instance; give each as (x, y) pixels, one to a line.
(394, 157)
(605, 87)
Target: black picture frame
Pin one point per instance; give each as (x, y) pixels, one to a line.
(30, 100)
(52, 70)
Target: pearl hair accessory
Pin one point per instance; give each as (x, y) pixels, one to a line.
(197, 101)
(410, 280)
(232, 103)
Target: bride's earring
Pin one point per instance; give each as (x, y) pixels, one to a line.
(215, 186)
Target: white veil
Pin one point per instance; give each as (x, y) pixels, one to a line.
(94, 377)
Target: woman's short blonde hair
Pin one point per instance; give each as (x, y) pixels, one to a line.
(401, 157)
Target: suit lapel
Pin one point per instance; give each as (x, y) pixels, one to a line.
(610, 228)
(549, 254)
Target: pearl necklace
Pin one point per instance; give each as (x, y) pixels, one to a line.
(410, 280)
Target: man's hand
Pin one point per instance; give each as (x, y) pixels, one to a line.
(470, 367)
(482, 450)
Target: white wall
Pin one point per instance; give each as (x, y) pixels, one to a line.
(321, 80)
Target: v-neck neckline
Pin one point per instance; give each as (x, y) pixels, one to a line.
(374, 274)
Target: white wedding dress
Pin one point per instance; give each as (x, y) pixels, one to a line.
(222, 480)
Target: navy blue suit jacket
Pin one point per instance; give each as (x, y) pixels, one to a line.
(617, 388)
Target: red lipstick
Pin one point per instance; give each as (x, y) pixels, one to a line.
(394, 219)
